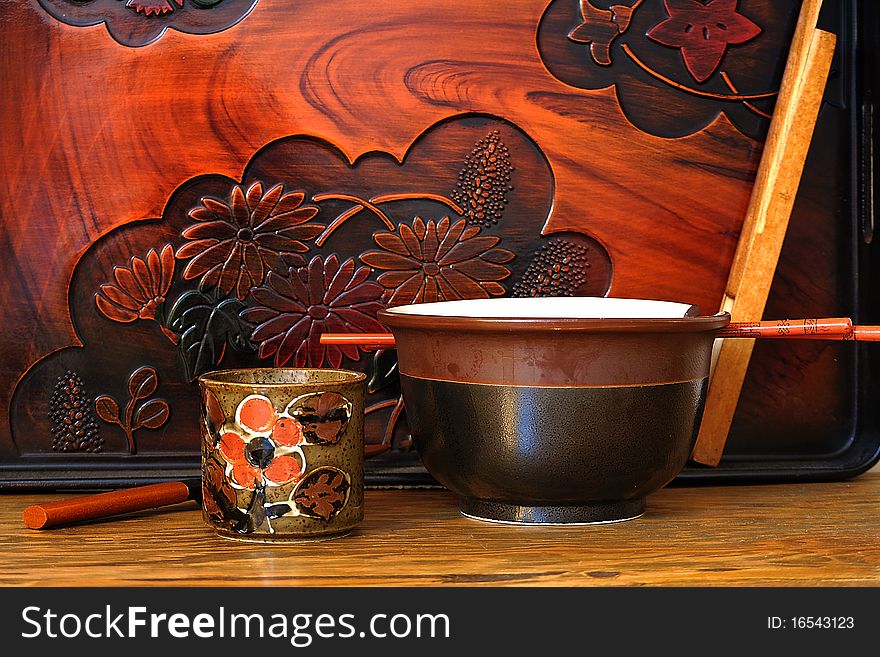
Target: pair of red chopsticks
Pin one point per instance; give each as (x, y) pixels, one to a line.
(833, 328)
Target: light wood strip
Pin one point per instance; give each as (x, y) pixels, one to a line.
(763, 232)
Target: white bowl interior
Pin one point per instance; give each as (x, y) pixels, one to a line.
(552, 308)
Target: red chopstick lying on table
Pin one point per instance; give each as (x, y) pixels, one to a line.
(103, 505)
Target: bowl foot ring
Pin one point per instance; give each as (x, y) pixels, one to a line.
(587, 514)
(284, 538)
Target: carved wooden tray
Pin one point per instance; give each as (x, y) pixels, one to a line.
(192, 187)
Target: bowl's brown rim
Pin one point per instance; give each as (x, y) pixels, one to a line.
(700, 324)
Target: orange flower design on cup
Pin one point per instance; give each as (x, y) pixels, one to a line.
(266, 451)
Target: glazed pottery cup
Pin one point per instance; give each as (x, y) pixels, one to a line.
(553, 410)
(282, 452)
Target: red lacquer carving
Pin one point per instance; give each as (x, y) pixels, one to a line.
(438, 261)
(140, 22)
(703, 31)
(140, 289)
(322, 297)
(617, 46)
(225, 308)
(153, 7)
(74, 428)
(235, 242)
(373, 205)
(151, 414)
(484, 182)
(600, 27)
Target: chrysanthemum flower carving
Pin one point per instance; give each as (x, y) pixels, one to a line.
(294, 311)
(439, 261)
(153, 7)
(139, 289)
(235, 242)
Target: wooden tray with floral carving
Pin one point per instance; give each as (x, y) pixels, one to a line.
(201, 184)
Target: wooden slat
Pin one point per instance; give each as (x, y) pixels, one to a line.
(763, 233)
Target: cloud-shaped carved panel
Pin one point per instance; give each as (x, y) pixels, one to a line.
(676, 65)
(140, 22)
(250, 272)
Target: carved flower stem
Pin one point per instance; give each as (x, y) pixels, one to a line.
(375, 449)
(127, 428)
(388, 198)
(392, 422)
(378, 406)
(757, 110)
(360, 204)
(152, 414)
(697, 92)
(373, 205)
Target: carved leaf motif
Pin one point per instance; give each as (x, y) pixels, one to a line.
(383, 370)
(153, 414)
(206, 326)
(107, 409)
(142, 383)
(322, 493)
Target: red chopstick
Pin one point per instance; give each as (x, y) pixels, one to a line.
(103, 505)
(360, 339)
(833, 328)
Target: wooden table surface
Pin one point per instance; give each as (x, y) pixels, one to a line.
(788, 535)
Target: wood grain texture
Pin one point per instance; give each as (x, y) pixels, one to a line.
(93, 143)
(773, 535)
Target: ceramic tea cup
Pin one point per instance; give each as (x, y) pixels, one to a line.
(282, 452)
(553, 410)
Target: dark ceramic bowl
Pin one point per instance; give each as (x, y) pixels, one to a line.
(553, 410)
